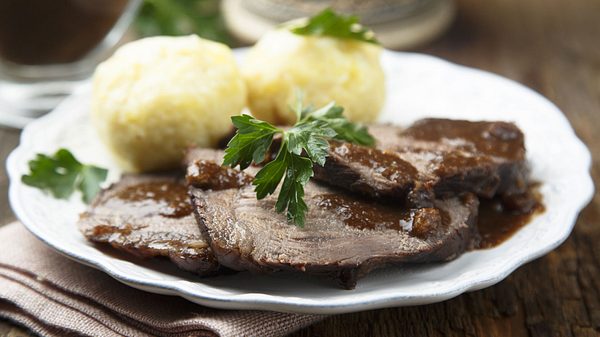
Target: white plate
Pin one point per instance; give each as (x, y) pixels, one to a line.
(417, 86)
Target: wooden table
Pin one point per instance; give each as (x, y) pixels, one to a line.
(552, 46)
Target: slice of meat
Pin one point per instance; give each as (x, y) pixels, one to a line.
(464, 146)
(369, 171)
(433, 158)
(344, 236)
(149, 216)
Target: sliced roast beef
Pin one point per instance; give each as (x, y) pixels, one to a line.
(148, 216)
(434, 158)
(344, 236)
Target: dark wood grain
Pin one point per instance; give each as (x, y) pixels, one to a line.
(552, 46)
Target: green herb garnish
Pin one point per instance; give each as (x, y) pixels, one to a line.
(329, 23)
(303, 145)
(182, 17)
(61, 174)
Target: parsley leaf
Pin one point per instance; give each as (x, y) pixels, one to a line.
(90, 179)
(332, 115)
(310, 136)
(329, 23)
(250, 143)
(62, 173)
(291, 196)
(268, 178)
(302, 146)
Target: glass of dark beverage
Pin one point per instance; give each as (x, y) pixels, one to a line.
(49, 47)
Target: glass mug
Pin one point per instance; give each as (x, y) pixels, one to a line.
(48, 47)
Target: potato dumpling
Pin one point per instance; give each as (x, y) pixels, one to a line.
(156, 96)
(324, 69)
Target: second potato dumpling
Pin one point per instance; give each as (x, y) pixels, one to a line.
(324, 69)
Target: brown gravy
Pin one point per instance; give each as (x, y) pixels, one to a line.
(169, 199)
(209, 175)
(497, 224)
(498, 139)
(363, 214)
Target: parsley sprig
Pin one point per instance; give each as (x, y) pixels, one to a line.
(61, 174)
(329, 23)
(302, 146)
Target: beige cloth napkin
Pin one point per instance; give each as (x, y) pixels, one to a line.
(54, 296)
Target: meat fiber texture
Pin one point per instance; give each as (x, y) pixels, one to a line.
(148, 226)
(434, 158)
(344, 237)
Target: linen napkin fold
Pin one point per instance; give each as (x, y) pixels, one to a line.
(54, 296)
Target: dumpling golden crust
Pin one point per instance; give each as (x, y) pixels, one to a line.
(325, 69)
(154, 97)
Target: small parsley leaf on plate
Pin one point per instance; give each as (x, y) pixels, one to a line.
(61, 174)
(332, 115)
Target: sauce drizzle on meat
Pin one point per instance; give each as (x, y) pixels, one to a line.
(365, 214)
(169, 199)
(499, 139)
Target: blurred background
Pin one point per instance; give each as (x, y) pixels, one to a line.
(49, 48)
(182, 17)
(399, 24)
